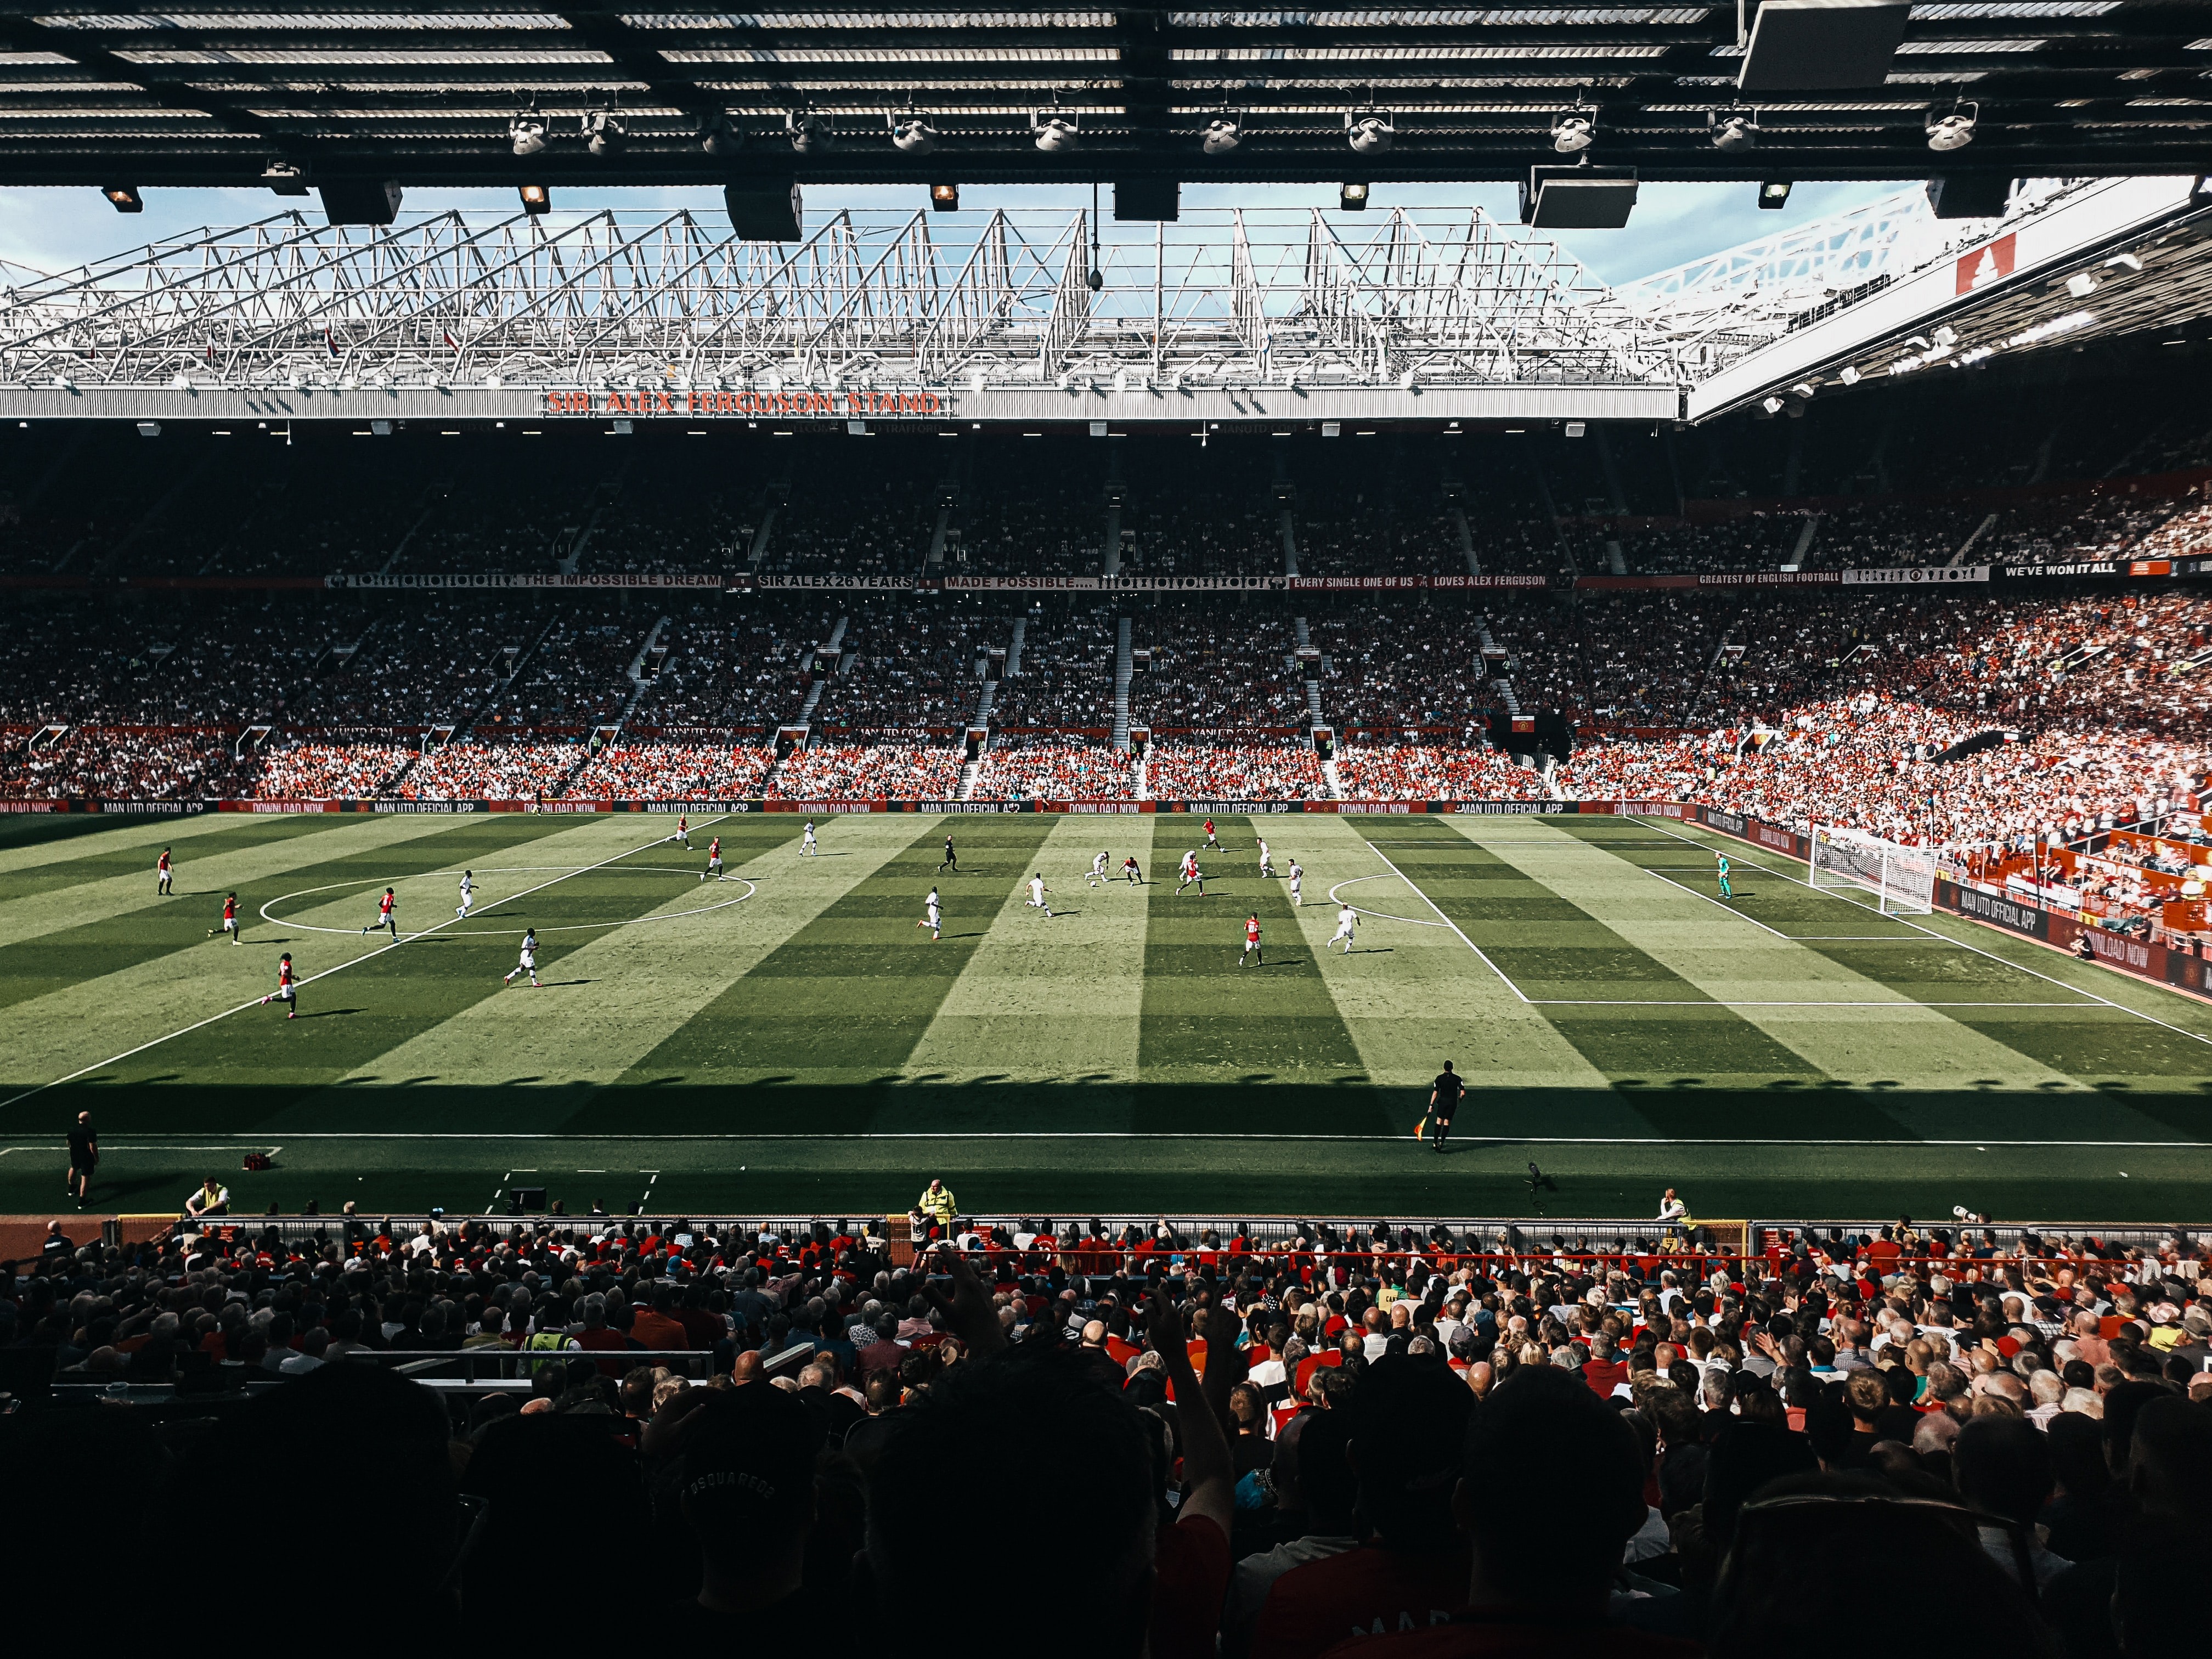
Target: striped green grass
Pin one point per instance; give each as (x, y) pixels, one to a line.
(789, 1037)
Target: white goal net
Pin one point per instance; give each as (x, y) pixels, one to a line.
(1901, 878)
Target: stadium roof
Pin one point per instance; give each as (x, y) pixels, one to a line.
(213, 92)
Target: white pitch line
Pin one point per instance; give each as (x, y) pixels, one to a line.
(1823, 938)
(1441, 917)
(1716, 1002)
(2047, 978)
(1152, 1134)
(1379, 915)
(311, 979)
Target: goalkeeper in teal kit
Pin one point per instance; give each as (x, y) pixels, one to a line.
(1727, 892)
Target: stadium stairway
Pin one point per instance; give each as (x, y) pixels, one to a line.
(1466, 533)
(1313, 682)
(1014, 646)
(1124, 669)
(1503, 682)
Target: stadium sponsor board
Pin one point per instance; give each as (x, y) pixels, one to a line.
(443, 580)
(165, 809)
(1978, 905)
(1917, 576)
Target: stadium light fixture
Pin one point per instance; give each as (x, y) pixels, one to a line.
(1222, 134)
(1369, 132)
(911, 133)
(1954, 130)
(1575, 131)
(1056, 133)
(285, 178)
(1772, 405)
(1351, 198)
(944, 198)
(1849, 375)
(1734, 134)
(718, 137)
(602, 131)
(536, 199)
(811, 134)
(125, 196)
(2081, 285)
(526, 133)
(1774, 194)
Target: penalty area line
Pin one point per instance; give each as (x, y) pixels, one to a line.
(396, 944)
(1964, 944)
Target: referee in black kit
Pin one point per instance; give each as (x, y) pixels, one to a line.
(1444, 1100)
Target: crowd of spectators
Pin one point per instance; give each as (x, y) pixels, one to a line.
(1252, 769)
(1435, 772)
(311, 770)
(743, 673)
(1067, 678)
(523, 770)
(630, 770)
(1340, 1439)
(1041, 768)
(1389, 666)
(908, 668)
(883, 771)
(874, 520)
(1223, 667)
(99, 762)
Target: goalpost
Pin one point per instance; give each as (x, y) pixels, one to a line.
(1901, 878)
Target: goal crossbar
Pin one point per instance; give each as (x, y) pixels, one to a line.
(1900, 878)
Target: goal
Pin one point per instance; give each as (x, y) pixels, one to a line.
(1901, 878)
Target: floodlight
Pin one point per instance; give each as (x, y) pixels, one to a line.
(1849, 375)
(810, 133)
(1572, 134)
(1056, 133)
(527, 132)
(1774, 193)
(285, 178)
(944, 198)
(1222, 134)
(1735, 135)
(602, 131)
(718, 137)
(125, 197)
(1772, 405)
(536, 199)
(1351, 198)
(1954, 130)
(2081, 285)
(912, 133)
(1369, 134)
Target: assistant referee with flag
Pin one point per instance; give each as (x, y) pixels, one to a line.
(1443, 1100)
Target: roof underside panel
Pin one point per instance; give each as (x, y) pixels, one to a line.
(210, 93)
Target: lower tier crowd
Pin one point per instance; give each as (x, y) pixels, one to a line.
(1345, 1440)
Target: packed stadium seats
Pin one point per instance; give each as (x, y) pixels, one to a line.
(1717, 1427)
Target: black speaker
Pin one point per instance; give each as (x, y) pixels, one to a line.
(1969, 195)
(522, 1198)
(763, 209)
(1148, 200)
(361, 201)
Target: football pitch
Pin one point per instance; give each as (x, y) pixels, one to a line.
(787, 1039)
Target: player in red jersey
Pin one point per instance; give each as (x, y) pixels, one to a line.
(1210, 840)
(683, 830)
(714, 861)
(1251, 942)
(162, 873)
(385, 917)
(288, 988)
(229, 919)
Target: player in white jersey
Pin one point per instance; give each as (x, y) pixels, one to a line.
(1097, 877)
(806, 847)
(1297, 884)
(528, 964)
(683, 831)
(932, 916)
(468, 894)
(1035, 900)
(1266, 859)
(1346, 920)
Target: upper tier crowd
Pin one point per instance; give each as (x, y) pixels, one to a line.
(1280, 1443)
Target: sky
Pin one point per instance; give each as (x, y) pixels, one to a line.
(52, 229)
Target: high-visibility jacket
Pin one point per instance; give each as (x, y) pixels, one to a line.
(937, 1205)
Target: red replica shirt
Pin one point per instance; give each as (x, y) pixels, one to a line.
(230, 910)
(1368, 1591)
(1192, 1567)
(384, 905)
(1252, 933)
